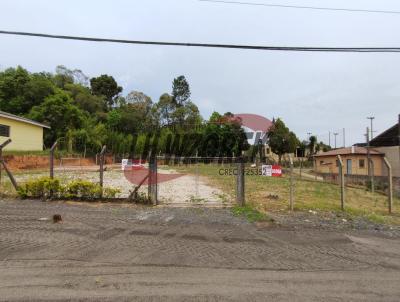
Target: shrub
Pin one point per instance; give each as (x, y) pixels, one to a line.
(83, 189)
(40, 188)
(46, 187)
(110, 192)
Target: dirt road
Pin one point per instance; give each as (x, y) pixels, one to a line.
(130, 253)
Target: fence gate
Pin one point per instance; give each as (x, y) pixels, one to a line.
(209, 181)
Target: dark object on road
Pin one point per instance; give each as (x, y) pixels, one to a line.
(273, 196)
(57, 218)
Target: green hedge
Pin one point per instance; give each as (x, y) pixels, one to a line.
(46, 187)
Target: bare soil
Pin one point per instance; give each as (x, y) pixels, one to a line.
(103, 252)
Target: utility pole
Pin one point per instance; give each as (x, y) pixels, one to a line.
(372, 131)
(370, 165)
(329, 138)
(368, 154)
(335, 134)
(344, 137)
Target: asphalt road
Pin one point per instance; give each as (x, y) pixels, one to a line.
(129, 253)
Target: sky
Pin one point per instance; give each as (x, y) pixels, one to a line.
(312, 92)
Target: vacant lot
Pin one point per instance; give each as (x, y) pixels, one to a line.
(186, 189)
(271, 195)
(128, 253)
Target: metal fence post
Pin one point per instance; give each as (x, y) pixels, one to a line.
(390, 180)
(103, 150)
(342, 184)
(291, 201)
(240, 195)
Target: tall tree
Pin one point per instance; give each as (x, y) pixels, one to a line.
(281, 140)
(106, 86)
(165, 108)
(60, 113)
(20, 90)
(312, 144)
(84, 99)
(180, 91)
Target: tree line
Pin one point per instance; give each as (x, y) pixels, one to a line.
(86, 113)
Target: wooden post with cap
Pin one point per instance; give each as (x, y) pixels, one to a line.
(390, 182)
(342, 184)
(291, 201)
(103, 150)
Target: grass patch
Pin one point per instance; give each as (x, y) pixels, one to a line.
(251, 214)
(308, 195)
(22, 153)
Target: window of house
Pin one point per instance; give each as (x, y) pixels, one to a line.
(361, 163)
(321, 162)
(4, 130)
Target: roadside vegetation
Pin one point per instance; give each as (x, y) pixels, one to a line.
(271, 195)
(46, 187)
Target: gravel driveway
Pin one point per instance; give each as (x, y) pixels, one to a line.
(187, 189)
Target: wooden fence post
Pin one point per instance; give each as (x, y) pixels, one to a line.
(51, 159)
(342, 184)
(301, 166)
(291, 201)
(240, 195)
(2, 162)
(372, 165)
(152, 179)
(103, 150)
(390, 180)
(1, 157)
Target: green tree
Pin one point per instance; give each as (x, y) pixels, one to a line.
(165, 109)
(223, 136)
(85, 100)
(180, 91)
(106, 86)
(60, 113)
(312, 144)
(281, 140)
(20, 90)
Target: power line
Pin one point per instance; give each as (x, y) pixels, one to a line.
(209, 45)
(303, 7)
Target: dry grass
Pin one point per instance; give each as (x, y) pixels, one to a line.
(270, 194)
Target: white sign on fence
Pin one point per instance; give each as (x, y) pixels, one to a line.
(271, 170)
(124, 164)
(266, 170)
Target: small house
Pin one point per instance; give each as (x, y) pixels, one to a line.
(26, 135)
(355, 160)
